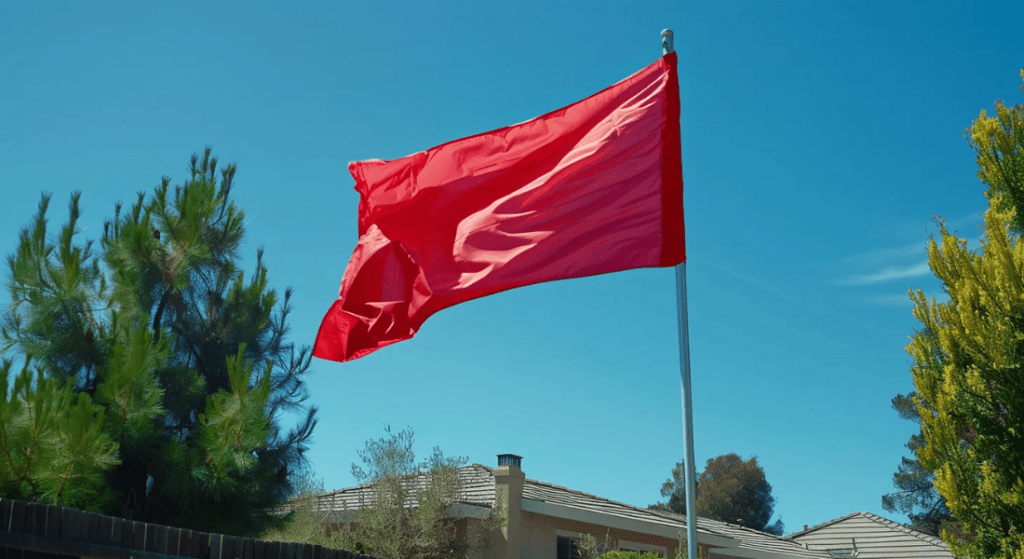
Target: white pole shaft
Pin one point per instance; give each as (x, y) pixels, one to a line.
(684, 380)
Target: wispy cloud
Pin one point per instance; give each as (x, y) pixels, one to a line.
(890, 273)
(758, 282)
(912, 251)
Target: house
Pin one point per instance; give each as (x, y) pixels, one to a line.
(544, 521)
(869, 536)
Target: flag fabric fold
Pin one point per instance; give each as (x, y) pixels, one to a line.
(591, 188)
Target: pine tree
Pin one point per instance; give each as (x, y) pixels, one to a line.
(52, 445)
(916, 496)
(969, 356)
(180, 358)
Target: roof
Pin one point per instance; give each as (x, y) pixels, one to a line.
(477, 491)
(869, 536)
(476, 488)
(558, 497)
(756, 541)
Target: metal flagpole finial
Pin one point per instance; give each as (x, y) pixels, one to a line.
(666, 41)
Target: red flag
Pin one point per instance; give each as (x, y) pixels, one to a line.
(591, 188)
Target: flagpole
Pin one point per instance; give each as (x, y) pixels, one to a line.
(684, 380)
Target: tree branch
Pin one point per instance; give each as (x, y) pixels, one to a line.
(159, 316)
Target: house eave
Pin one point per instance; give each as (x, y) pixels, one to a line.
(752, 554)
(612, 521)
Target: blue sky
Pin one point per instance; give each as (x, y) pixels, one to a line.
(819, 139)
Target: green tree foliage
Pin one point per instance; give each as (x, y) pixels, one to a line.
(968, 356)
(674, 489)
(590, 546)
(159, 343)
(916, 496)
(729, 490)
(52, 446)
(407, 517)
(306, 521)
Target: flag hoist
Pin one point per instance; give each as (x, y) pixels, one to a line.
(591, 188)
(684, 377)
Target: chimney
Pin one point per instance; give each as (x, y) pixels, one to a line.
(805, 527)
(510, 460)
(508, 496)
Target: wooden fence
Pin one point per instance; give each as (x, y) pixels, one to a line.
(38, 531)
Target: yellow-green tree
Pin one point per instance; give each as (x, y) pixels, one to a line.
(969, 356)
